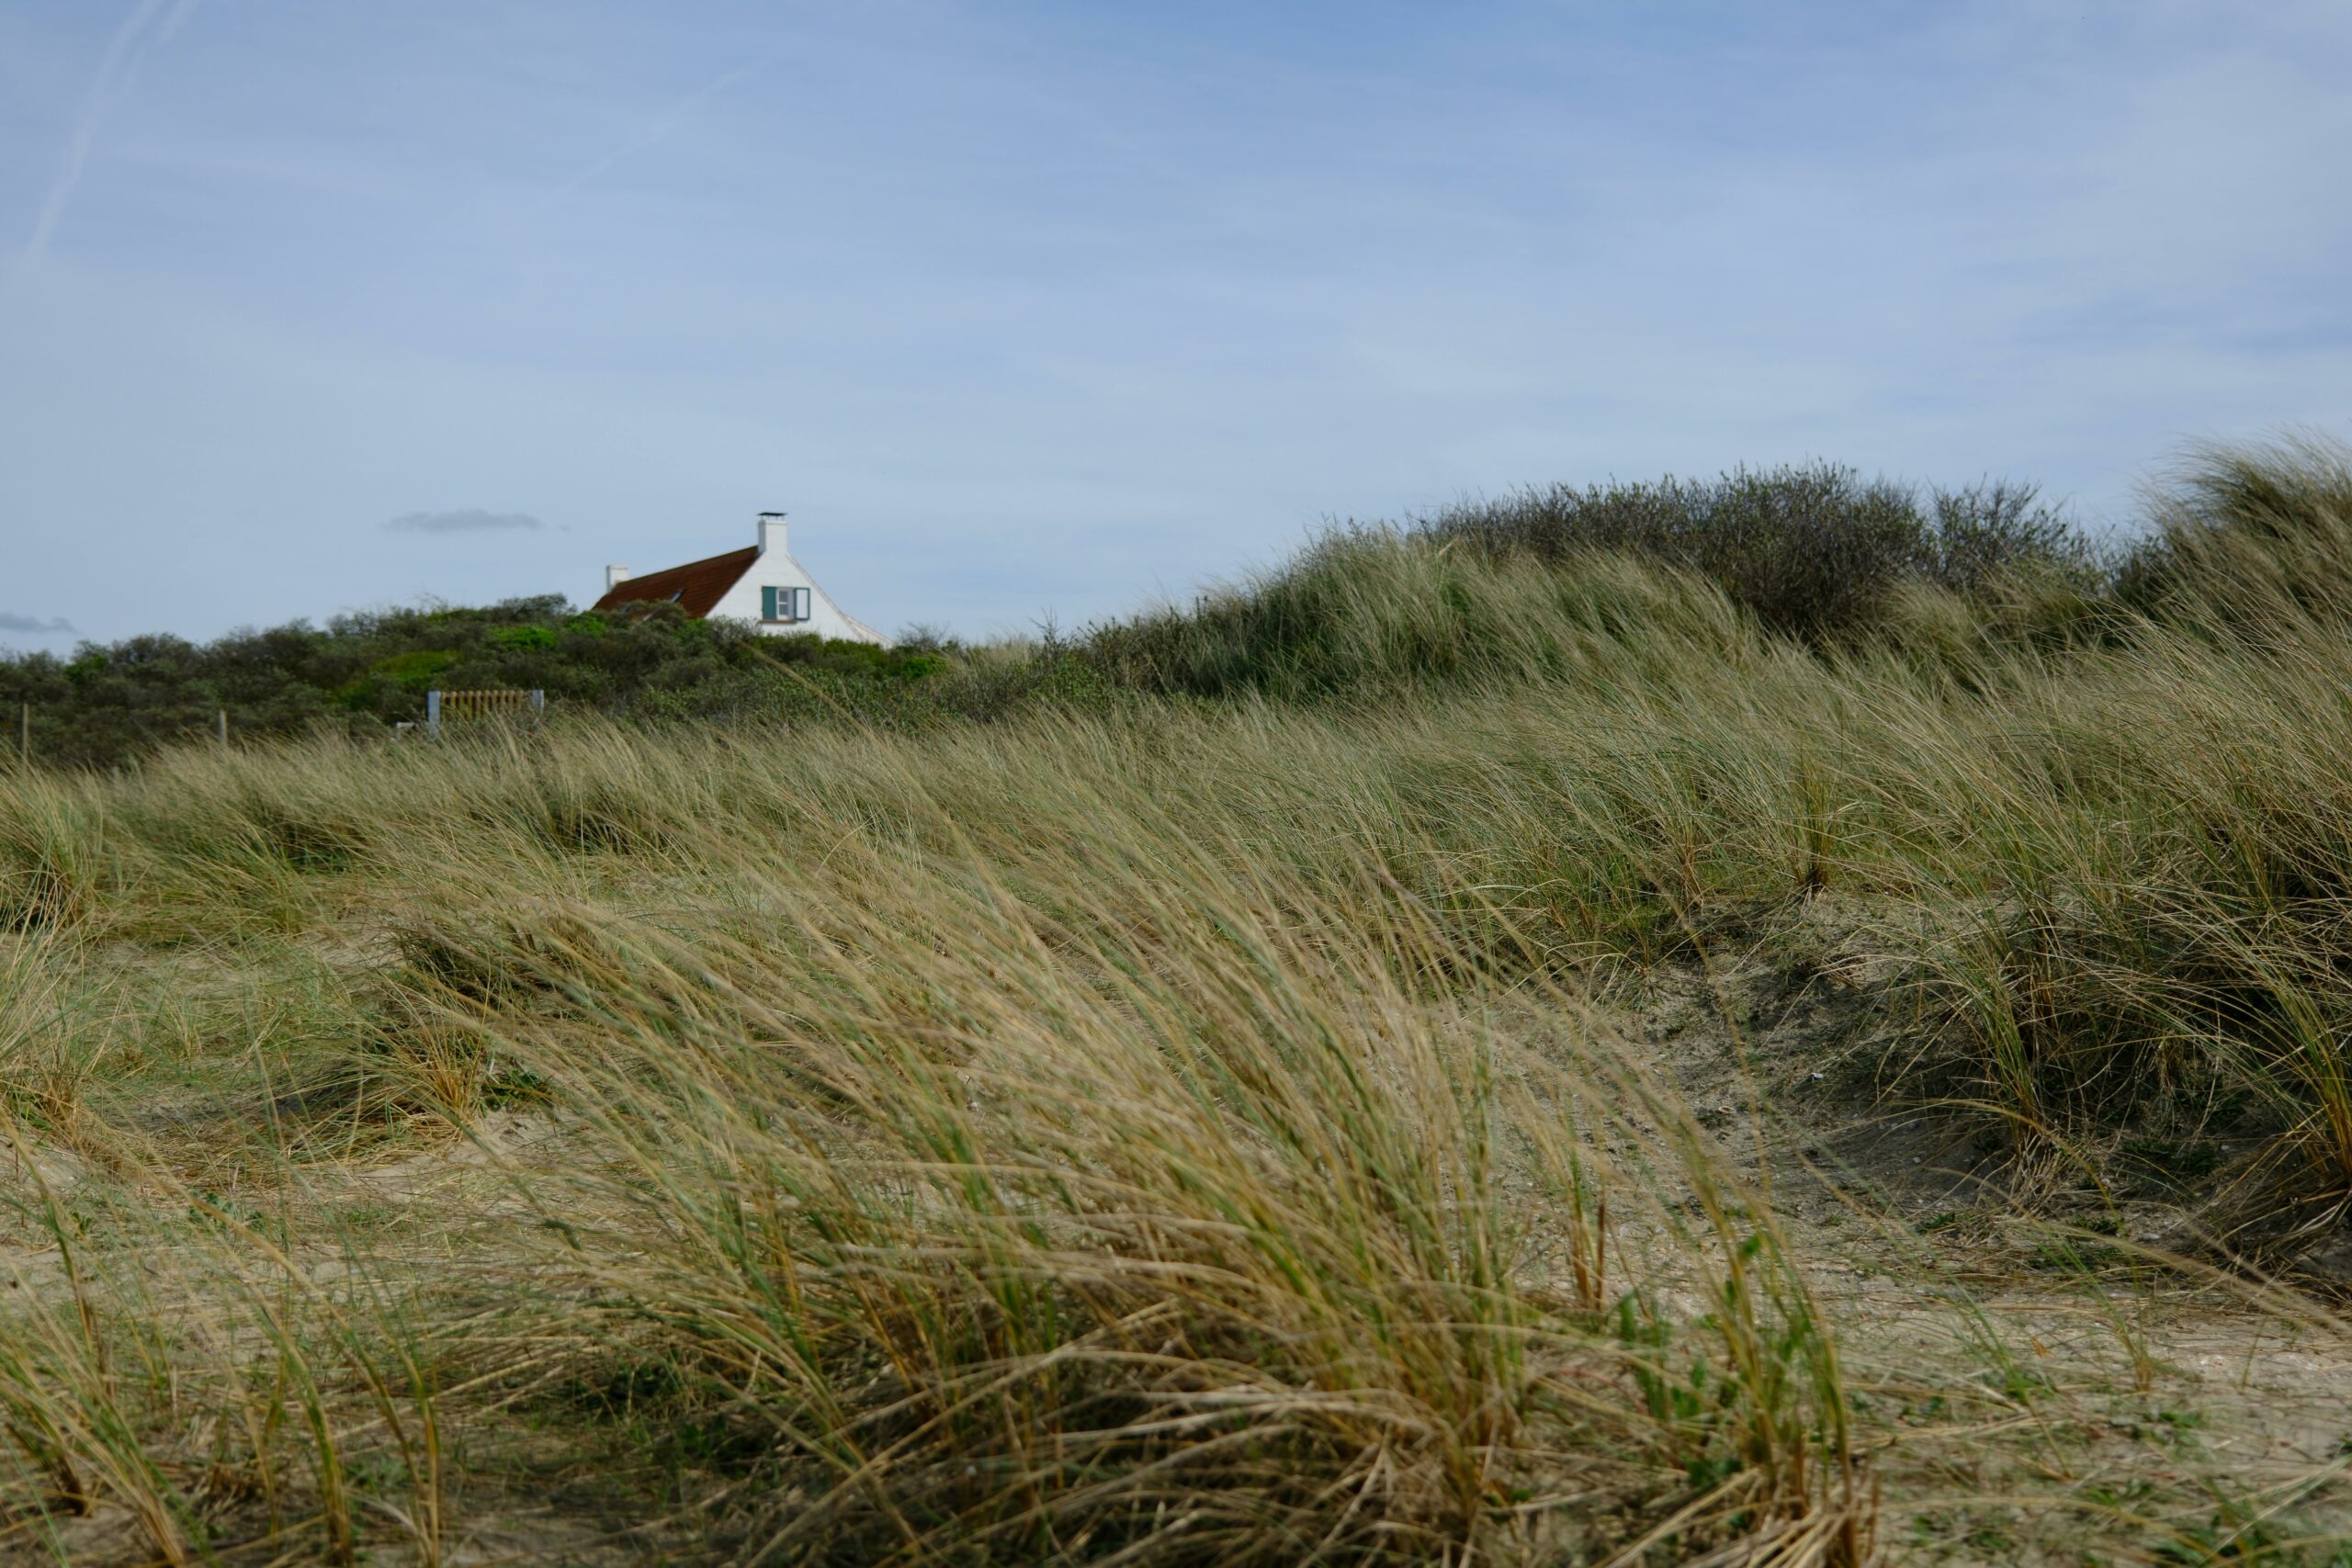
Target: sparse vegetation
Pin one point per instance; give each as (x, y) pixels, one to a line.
(1549, 1036)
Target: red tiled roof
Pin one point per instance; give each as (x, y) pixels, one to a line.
(698, 586)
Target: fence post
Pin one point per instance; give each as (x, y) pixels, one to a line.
(539, 703)
(25, 734)
(432, 713)
(223, 717)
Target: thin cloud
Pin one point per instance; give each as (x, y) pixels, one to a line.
(650, 132)
(473, 522)
(149, 24)
(34, 624)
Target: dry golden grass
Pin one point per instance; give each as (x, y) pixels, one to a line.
(1244, 1134)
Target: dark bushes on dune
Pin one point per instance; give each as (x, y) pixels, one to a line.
(1811, 550)
(361, 673)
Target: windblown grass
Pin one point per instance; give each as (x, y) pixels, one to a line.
(996, 1190)
(1183, 1131)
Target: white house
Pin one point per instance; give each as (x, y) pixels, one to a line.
(761, 584)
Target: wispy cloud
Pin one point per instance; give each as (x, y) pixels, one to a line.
(150, 23)
(650, 132)
(472, 521)
(15, 623)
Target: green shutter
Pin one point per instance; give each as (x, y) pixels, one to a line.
(767, 604)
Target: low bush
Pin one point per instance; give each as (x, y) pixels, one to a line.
(361, 673)
(1811, 550)
(1519, 586)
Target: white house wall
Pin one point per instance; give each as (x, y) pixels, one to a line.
(776, 569)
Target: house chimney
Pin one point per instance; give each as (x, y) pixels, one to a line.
(615, 576)
(772, 533)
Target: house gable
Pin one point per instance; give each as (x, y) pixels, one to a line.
(746, 599)
(761, 584)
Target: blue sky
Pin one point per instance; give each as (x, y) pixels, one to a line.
(1027, 310)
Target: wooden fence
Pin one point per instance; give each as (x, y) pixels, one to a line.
(439, 706)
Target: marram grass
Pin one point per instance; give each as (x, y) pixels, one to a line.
(1222, 1132)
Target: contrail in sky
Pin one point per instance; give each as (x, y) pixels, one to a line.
(653, 130)
(150, 22)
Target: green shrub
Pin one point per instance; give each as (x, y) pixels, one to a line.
(1525, 585)
(416, 671)
(360, 673)
(1812, 550)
